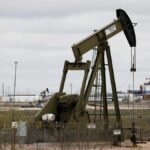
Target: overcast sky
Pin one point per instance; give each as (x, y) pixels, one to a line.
(39, 35)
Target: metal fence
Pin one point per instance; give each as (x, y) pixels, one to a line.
(60, 138)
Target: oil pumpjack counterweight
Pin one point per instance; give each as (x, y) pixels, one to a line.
(70, 108)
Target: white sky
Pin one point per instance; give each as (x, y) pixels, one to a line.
(39, 34)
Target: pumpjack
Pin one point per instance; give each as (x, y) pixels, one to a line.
(71, 108)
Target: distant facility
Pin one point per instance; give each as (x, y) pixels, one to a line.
(20, 98)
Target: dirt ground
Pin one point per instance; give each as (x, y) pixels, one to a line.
(129, 146)
(78, 146)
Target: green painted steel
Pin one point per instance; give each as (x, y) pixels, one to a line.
(71, 109)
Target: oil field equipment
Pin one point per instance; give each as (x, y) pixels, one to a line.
(70, 109)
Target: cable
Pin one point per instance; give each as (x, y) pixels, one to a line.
(133, 93)
(133, 70)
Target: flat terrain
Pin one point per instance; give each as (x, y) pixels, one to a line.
(141, 118)
(76, 146)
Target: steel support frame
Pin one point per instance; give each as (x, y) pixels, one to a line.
(113, 85)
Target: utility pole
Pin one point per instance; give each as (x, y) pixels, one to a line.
(3, 89)
(14, 88)
(13, 119)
